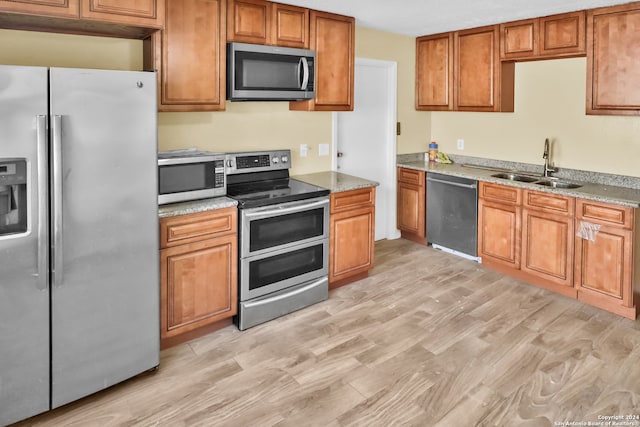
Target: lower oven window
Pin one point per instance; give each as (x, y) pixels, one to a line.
(283, 229)
(276, 268)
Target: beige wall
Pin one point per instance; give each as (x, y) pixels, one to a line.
(244, 125)
(549, 103)
(415, 125)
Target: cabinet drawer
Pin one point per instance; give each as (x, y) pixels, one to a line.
(500, 193)
(604, 213)
(411, 176)
(182, 229)
(352, 199)
(549, 202)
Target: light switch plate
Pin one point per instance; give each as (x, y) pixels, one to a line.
(323, 149)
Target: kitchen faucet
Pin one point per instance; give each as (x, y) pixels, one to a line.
(548, 165)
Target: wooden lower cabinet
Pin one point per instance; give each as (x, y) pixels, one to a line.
(499, 225)
(548, 240)
(198, 274)
(351, 236)
(604, 267)
(411, 205)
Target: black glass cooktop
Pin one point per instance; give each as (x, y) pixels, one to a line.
(272, 191)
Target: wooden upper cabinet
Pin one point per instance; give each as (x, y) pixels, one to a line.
(58, 8)
(434, 72)
(289, 26)
(249, 21)
(482, 83)
(613, 60)
(544, 38)
(563, 35)
(333, 38)
(519, 39)
(143, 13)
(190, 56)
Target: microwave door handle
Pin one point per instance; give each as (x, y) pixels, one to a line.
(304, 64)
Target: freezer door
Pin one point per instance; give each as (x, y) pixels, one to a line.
(24, 293)
(105, 254)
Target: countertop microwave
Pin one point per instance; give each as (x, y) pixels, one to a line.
(185, 175)
(269, 73)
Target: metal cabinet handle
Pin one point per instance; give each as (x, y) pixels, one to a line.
(455, 184)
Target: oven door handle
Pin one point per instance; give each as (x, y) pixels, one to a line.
(298, 207)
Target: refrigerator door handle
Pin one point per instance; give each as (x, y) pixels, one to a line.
(43, 220)
(56, 133)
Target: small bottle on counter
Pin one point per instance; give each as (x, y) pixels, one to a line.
(433, 151)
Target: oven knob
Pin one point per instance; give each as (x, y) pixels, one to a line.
(284, 159)
(275, 160)
(229, 163)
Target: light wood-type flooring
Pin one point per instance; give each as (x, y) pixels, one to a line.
(429, 339)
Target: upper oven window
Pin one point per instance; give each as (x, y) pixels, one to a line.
(283, 229)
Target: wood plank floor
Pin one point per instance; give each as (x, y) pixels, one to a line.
(429, 339)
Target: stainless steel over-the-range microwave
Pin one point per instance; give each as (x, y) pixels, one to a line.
(269, 73)
(185, 175)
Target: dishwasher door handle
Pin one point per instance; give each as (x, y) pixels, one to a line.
(456, 184)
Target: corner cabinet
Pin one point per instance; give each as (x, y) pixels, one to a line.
(613, 60)
(461, 71)
(198, 274)
(411, 205)
(333, 38)
(351, 235)
(190, 56)
(604, 267)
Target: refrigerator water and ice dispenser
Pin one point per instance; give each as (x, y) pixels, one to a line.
(13, 196)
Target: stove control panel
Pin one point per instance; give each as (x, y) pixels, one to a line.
(258, 161)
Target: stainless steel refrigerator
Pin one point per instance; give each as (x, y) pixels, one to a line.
(79, 286)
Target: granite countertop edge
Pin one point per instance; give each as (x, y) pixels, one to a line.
(336, 182)
(195, 206)
(623, 196)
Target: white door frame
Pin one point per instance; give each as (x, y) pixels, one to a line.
(389, 159)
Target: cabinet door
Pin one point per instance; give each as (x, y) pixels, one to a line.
(333, 39)
(59, 8)
(519, 39)
(477, 69)
(604, 270)
(547, 246)
(351, 240)
(613, 60)
(190, 56)
(434, 72)
(563, 35)
(249, 21)
(144, 13)
(289, 26)
(198, 284)
(411, 216)
(499, 231)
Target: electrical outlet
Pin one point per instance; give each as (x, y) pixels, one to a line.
(461, 144)
(304, 150)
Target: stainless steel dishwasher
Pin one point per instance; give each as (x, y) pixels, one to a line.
(452, 214)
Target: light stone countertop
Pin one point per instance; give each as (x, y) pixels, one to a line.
(600, 192)
(195, 206)
(336, 182)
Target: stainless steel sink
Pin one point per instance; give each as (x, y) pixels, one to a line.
(558, 184)
(514, 177)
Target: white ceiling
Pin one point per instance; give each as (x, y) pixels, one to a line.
(423, 17)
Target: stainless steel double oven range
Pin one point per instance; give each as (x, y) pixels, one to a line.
(283, 237)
